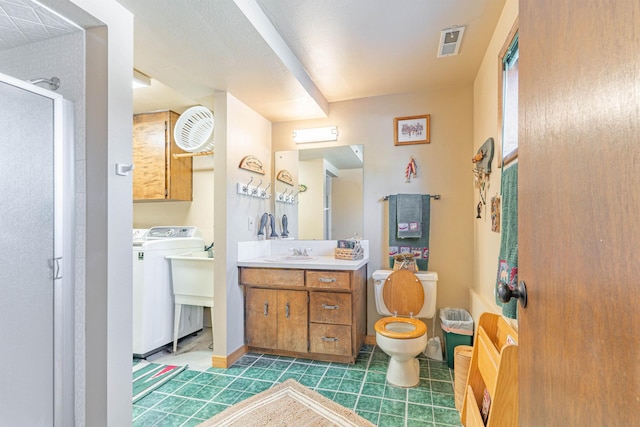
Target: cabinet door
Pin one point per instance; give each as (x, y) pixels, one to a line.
(261, 317)
(149, 156)
(180, 169)
(293, 320)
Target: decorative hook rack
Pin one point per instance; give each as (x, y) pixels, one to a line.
(253, 190)
(263, 193)
(283, 197)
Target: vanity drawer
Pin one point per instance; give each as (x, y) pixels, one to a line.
(271, 277)
(328, 279)
(330, 339)
(329, 307)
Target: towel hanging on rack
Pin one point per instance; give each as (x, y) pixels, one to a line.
(419, 247)
(508, 258)
(409, 216)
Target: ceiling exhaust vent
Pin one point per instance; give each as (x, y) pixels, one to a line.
(450, 39)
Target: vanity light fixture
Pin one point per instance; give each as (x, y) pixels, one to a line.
(329, 133)
(140, 79)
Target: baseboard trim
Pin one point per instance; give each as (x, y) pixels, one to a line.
(370, 339)
(225, 361)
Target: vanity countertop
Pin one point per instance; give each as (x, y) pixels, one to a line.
(317, 263)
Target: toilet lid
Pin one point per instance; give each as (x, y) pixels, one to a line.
(419, 328)
(403, 293)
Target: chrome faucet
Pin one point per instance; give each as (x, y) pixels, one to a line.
(300, 251)
(209, 249)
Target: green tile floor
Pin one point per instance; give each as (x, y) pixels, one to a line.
(194, 396)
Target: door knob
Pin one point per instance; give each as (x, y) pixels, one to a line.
(505, 293)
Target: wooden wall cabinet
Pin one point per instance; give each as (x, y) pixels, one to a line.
(494, 367)
(157, 175)
(305, 313)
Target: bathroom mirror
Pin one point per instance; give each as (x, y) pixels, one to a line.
(327, 187)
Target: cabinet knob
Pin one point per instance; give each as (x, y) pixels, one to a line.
(287, 310)
(327, 279)
(329, 339)
(330, 307)
(266, 308)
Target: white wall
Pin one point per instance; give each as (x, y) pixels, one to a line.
(240, 131)
(444, 167)
(310, 208)
(346, 209)
(198, 212)
(486, 124)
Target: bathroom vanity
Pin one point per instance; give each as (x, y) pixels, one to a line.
(314, 309)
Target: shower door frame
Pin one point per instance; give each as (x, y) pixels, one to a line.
(62, 262)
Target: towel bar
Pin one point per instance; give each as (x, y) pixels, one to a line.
(433, 196)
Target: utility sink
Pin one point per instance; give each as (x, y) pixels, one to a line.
(192, 274)
(192, 282)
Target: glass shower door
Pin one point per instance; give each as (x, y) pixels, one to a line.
(28, 256)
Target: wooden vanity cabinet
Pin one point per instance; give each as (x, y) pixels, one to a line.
(157, 175)
(305, 313)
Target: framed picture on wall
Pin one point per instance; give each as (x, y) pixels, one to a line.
(411, 130)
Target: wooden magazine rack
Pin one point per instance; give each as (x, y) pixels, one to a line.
(494, 367)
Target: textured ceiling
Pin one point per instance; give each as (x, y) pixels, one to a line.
(345, 49)
(349, 48)
(23, 22)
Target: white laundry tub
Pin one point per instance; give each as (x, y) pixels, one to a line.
(192, 284)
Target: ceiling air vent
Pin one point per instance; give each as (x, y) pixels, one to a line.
(450, 39)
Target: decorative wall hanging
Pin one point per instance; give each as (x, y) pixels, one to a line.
(411, 130)
(495, 213)
(285, 176)
(481, 172)
(411, 170)
(251, 163)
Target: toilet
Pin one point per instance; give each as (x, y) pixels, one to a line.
(404, 297)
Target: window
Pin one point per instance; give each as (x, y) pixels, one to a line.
(509, 98)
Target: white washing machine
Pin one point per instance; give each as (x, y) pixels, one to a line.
(152, 294)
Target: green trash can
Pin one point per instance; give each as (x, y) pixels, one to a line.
(457, 329)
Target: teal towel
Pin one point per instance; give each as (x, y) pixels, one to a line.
(508, 258)
(419, 247)
(409, 214)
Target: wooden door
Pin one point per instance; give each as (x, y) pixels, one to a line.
(293, 320)
(261, 317)
(579, 212)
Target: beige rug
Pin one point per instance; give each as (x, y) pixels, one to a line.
(287, 404)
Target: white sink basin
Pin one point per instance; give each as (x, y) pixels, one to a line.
(192, 274)
(290, 258)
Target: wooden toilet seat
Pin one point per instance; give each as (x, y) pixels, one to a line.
(419, 330)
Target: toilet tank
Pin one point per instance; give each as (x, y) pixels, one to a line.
(429, 280)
